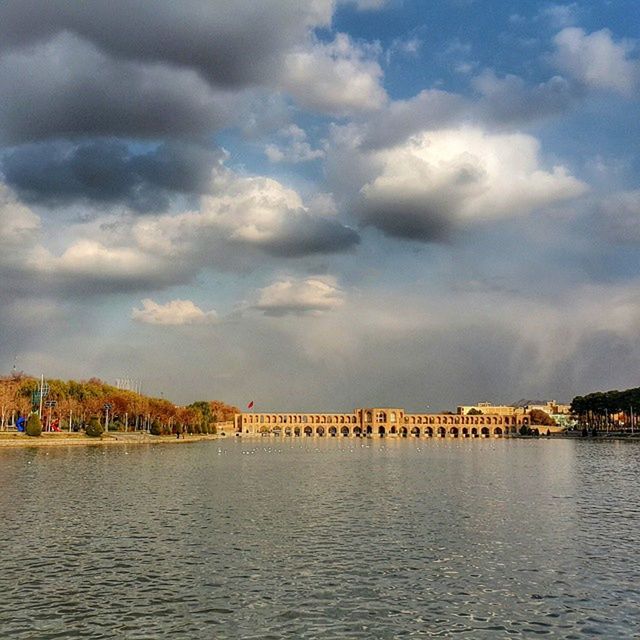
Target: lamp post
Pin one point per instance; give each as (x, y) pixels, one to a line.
(106, 408)
(42, 392)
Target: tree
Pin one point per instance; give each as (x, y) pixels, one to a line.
(474, 412)
(537, 416)
(94, 428)
(34, 426)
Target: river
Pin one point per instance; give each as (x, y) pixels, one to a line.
(321, 538)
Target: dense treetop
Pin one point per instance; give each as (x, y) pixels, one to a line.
(83, 400)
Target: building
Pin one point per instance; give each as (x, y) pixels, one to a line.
(551, 407)
(487, 408)
(379, 421)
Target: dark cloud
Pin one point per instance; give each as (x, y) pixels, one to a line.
(305, 235)
(228, 43)
(430, 109)
(409, 218)
(66, 88)
(107, 172)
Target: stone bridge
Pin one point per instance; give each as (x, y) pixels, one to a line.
(378, 422)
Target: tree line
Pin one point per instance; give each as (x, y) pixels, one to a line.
(608, 409)
(71, 405)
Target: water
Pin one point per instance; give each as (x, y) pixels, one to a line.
(321, 538)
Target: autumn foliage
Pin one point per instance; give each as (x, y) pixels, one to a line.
(129, 411)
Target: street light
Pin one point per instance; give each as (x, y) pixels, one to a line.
(106, 407)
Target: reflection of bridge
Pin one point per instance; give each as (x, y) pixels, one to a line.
(383, 421)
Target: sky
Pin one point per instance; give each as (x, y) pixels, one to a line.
(322, 204)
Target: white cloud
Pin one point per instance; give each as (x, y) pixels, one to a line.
(560, 15)
(244, 214)
(300, 296)
(440, 180)
(248, 218)
(596, 60)
(18, 224)
(338, 77)
(295, 147)
(367, 5)
(174, 313)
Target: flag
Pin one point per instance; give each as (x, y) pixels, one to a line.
(250, 405)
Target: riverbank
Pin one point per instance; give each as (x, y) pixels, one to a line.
(108, 439)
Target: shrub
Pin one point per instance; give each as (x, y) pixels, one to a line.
(94, 428)
(34, 426)
(156, 428)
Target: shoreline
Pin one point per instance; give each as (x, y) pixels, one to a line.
(15, 440)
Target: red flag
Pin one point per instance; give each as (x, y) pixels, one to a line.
(250, 405)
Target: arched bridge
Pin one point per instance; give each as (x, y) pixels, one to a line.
(378, 422)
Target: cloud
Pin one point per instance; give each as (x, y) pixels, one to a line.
(68, 88)
(173, 313)
(261, 213)
(510, 100)
(339, 77)
(18, 224)
(560, 15)
(429, 109)
(619, 217)
(242, 221)
(89, 259)
(440, 181)
(300, 296)
(502, 102)
(296, 147)
(232, 45)
(596, 60)
(108, 172)
(367, 5)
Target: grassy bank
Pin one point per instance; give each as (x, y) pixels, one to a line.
(108, 439)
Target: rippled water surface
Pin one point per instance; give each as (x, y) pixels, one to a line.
(321, 538)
